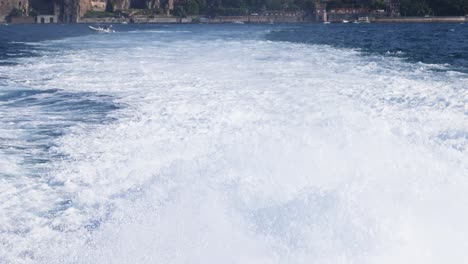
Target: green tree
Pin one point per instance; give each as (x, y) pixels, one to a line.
(414, 8)
(308, 6)
(233, 3)
(193, 8)
(180, 11)
(273, 4)
(15, 12)
(378, 4)
(449, 7)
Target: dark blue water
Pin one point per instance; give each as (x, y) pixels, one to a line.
(15, 40)
(427, 43)
(270, 148)
(30, 118)
(442, 44)
(445, 44)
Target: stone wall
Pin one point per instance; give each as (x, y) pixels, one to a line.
(22, 20)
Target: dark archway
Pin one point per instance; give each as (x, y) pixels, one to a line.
(138, 4)
(42, 6)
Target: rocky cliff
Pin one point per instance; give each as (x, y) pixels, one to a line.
(6, 6)
(72, 10)
(84, 6)
(137, 4)
(121, 4)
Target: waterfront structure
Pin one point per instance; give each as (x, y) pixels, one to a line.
(321, 10)
(71, 11)
(354, 13)
(47, 11)
(393, 7)
(46, 19)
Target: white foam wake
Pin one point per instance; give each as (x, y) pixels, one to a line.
(247, 151)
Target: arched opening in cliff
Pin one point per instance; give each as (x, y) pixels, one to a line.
(138, 4)
(43, 7)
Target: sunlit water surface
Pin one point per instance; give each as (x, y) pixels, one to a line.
(234, 144)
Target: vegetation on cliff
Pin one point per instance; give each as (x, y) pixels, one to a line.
(241, 7)
(368, 4)
(434, 7)
(99, 14)
(212, 8)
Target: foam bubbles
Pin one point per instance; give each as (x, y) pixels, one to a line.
(248, 151)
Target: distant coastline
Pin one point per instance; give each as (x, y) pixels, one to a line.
(426, 19)
(259, 19)
(269, 20)
(232, 11)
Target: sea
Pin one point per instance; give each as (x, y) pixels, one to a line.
(228, 143)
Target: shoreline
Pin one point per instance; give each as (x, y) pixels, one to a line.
(451, 19)
(267, 20)
(245, 20)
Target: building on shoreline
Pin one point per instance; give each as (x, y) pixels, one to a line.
(353, 12)
(64, 11)
(393, 8)
(46, 19)
(162, 11)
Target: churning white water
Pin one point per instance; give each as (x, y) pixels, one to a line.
(228, 149)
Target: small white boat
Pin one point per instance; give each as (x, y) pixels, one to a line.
(363, 20)
(345, 21)
(102, 29)
(327, 22)
(238, 22)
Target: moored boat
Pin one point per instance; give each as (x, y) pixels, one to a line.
(104, 29)
(364, 20)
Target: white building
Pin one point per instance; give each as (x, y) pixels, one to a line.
(46, 19)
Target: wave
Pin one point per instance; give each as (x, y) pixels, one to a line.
(159, 31)
(246, 151)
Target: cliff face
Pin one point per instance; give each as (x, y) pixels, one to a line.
(42, 6)
(72, 10)
(83, 7)
(138, 4)
(121, 4)
(7, 5)
(152, 4)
